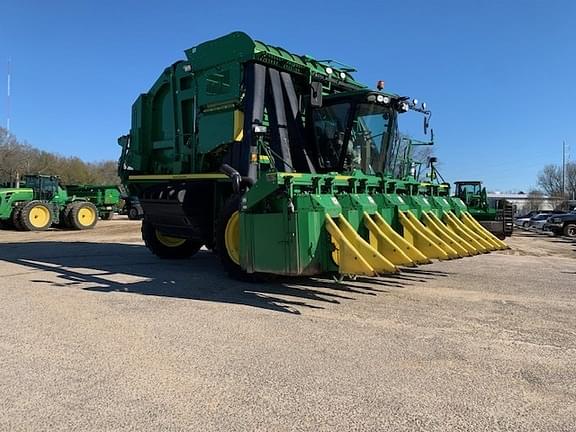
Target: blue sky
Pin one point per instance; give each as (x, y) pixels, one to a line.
(499, 76)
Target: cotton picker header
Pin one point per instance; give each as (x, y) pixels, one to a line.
(281, 164)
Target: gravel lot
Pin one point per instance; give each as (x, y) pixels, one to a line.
(97, 334)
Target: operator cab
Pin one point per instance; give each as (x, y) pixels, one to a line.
(45, 187)
(470, 192)
(357, 131)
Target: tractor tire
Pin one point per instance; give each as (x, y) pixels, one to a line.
(570, 230)
(36, 216)
(167, 247)
(133, 214)
(228, 243)
(83, 215)
(15, 219)
(65, 216)
(107, 215)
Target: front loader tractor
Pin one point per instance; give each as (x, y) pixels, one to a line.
(43, 203)
(280, 163)
(497, 216)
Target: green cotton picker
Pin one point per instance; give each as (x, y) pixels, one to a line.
(280, 163)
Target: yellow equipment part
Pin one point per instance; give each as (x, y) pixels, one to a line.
(480, 232)
(39, 216)
(86, 216)
(169, 241)
(355, 256)
(441, 231)
(386, 246)
(401, 243)
(450, 251)
(420, 239)
(479, 235)
(463, 231)
(470, 248)
(232, 237)
(488, 233)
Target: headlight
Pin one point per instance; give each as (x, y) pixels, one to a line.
(379, 98)
(403, 106)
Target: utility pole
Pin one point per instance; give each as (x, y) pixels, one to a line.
(563, 169)
(8, 94)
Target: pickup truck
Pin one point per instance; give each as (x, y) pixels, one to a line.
(562, 224)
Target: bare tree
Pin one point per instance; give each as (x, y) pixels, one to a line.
(550, 180)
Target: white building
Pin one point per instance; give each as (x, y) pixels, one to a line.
(525, 202)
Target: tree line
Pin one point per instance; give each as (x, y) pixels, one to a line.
(18, 158)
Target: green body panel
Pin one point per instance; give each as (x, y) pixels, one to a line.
(290, 243)
(9, 197)
(105, 198)
(489, 214)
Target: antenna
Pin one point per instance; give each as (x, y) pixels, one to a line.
(8, 95)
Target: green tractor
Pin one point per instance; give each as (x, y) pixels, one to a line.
(281, 164)
(43, 203)
(496, 216)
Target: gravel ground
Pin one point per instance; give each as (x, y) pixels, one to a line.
(97, 334)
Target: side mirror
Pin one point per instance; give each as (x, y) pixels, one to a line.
(426, 124)
(316, 94)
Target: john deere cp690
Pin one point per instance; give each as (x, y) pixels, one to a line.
(281, 164)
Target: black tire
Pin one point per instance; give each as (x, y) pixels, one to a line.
(525, 224)
(36, 216)
(133, 213)
(570, 230)
(15, 219)
(83, 215)
(183, 250)
(107, 215)
(65, 216)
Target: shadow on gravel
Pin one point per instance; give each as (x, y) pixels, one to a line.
(130, 268)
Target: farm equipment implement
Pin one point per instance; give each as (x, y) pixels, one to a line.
(107, 199)
(43, 203)
(281, 164)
